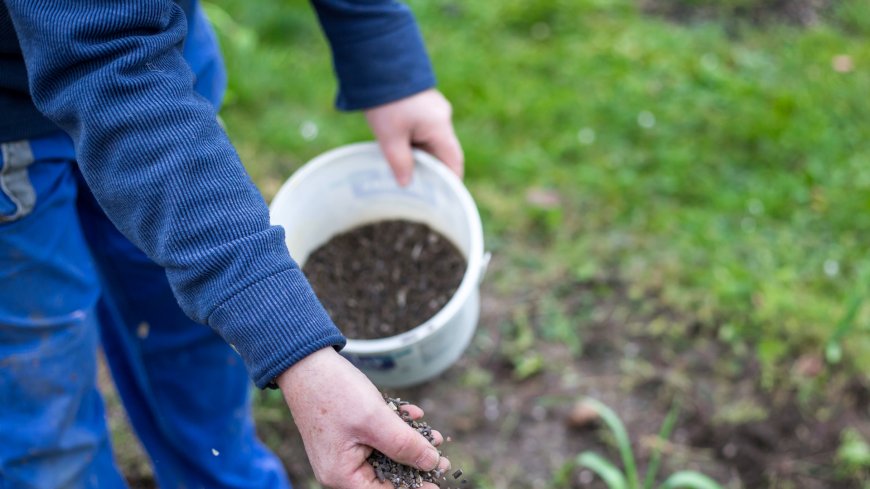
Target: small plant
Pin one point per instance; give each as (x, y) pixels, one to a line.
(853, 456)
(629, 478)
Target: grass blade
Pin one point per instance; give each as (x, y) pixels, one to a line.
(601, 466)
(665, 433)
(833, 348)
(622, 441)
(689, 480)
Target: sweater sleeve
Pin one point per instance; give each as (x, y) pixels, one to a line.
(377, 50)
(111, 74)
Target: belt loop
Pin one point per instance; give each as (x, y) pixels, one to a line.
(14, 179)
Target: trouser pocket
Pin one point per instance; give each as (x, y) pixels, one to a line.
(17, 196)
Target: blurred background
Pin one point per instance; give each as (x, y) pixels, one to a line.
(676, 194)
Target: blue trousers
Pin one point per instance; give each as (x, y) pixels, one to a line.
(69, 280)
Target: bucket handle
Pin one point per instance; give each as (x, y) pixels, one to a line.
(484, 266)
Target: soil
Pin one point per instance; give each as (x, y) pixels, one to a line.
(522, 432)
(637, 357)
(385, 278)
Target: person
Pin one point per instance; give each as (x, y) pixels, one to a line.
(127, 220)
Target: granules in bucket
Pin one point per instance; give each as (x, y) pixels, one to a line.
(385, 278)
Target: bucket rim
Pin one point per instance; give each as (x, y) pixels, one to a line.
(475, 259)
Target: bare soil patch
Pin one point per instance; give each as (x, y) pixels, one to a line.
(637, 357)
(741, 429)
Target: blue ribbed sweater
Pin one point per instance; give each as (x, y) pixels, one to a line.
(111, 74)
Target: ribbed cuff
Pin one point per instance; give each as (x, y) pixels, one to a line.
(274, 323)
(382, 69)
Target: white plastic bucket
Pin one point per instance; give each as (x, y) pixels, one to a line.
(352, 186)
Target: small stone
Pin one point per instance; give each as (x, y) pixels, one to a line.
(809, 365)
(581, 416)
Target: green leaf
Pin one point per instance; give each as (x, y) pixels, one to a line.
(665, 433)
(833, 352)
(601, 466)
(238, 36)
(689, 480)
(528, 366)
(611, 420)
(854, 451)
(562, 476)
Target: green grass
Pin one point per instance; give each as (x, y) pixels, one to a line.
(728, 170)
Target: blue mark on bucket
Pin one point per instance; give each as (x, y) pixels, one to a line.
(368, 183)
(382, 363)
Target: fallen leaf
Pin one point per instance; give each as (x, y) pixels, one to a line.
(543, 198)
(842, 63)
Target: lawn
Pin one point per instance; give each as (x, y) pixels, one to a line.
(699, 190)
(726, 169)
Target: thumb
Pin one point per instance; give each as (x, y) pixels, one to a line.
(400, 157)
(400, 442)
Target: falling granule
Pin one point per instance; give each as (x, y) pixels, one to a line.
(215, 452)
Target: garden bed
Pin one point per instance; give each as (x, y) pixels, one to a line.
(512, 425)
(513, 420)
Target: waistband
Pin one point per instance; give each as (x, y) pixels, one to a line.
(54, 146)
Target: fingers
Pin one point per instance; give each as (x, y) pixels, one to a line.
(399, 156)
(364, 483)
(447, 149)
(443, 465)
(413, 410)
(438, 438)
(398, 441)
(423, 120)
(366, 480)
(415, 413)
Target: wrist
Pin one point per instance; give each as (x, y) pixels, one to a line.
(310, 366)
